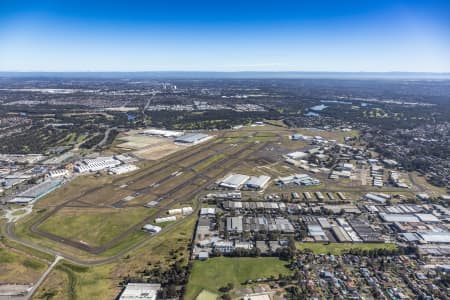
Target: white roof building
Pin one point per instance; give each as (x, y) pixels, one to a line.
(163, 133)
(297, 155)
(427, 218)
(123, 169)
(151, 228)
(208, 211)
(140, 291)
(404, 218)
(435, 237)
(166, 219)
(234, 181)
(257, 182)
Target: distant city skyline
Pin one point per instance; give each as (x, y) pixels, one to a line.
(330, 36)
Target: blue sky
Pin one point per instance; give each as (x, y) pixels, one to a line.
(377, 36)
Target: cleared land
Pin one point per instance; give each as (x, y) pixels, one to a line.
(339, 248)
(218, 272)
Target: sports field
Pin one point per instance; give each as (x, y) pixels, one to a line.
(218, 272)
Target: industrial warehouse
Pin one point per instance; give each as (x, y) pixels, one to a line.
(237, 181)
(38, 191)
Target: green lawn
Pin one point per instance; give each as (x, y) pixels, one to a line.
(93, 226)
(338, 248)
(218, 272)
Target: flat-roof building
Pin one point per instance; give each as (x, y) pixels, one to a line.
(257, 182)
(151, 228)
(234, 181)
(402, 218)
(192, 138)
(140, 291)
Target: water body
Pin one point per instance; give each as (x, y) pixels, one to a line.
(318, 107)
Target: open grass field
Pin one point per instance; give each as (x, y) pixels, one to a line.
(17, 267)
(93, 226)
(75, 188)
(339, 248)
(218, 272)
(106, 196)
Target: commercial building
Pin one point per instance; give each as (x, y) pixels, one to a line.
(163, 133)
(317, 233)
(140, 291)
(435, 237)
(96, 164)
(234, 181)
(340, 234)
(234, 224)
(297, 155)
(58, 173)
(122, 169)
(257, 182)
(299, 179)
(192, 138)
(403, 218)
(375, 198)
(37, 191)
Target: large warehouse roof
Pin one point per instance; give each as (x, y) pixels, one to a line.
(234, 181)
(436, 237)
(427, 218)
(257, 181)
(399, 218)
(191, 138)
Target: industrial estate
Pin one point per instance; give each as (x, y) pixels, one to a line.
(206, 190)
